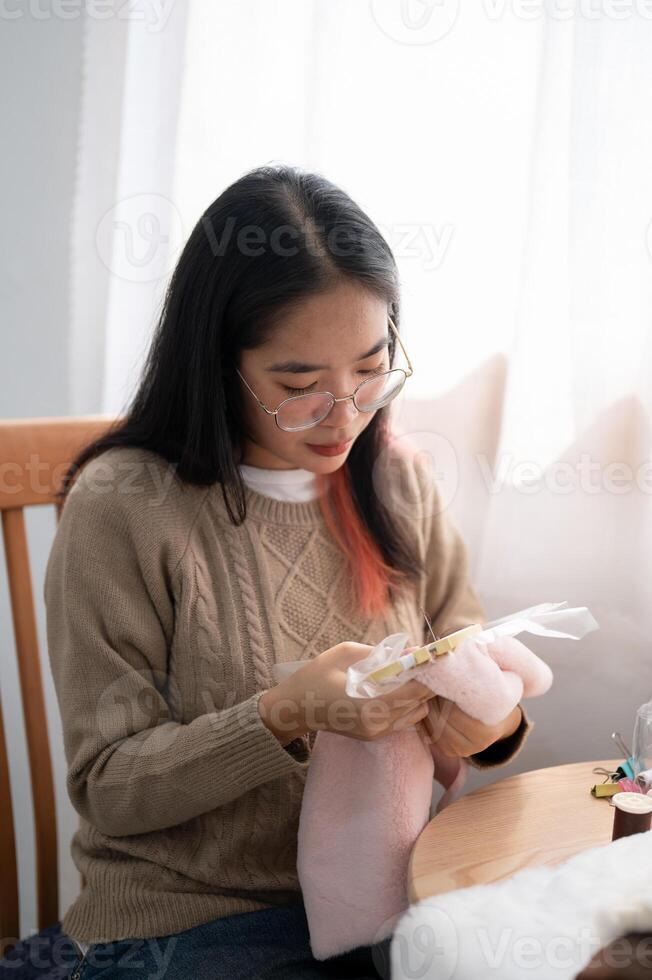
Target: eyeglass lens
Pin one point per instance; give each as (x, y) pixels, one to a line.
(302, 411)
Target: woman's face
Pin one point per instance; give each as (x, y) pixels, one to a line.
(326, 338)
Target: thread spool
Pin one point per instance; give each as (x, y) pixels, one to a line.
(632, 814)
(644, 780)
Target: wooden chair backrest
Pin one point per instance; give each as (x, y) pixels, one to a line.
(34, 454)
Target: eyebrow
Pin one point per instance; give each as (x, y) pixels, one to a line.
(300, 367)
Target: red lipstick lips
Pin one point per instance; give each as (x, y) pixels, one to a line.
(331, 450)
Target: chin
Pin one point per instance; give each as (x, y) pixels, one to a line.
(324, 464)
(327, 465)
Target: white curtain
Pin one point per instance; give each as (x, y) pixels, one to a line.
(127, 228)
(505, 150)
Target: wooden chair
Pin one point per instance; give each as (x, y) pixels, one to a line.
(34, 454)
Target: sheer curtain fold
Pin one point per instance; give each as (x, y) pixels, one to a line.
(127, 228)
(507, 164)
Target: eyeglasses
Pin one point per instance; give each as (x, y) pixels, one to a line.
(303, 411)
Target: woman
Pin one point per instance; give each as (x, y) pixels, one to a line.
(216, 530)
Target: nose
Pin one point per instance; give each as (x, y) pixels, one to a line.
(341, 413)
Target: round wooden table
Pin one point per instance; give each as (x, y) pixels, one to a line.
(539, 817)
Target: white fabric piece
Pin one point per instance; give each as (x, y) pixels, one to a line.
(577, 622)
(293, 485)
(543, 923)
(571, 624)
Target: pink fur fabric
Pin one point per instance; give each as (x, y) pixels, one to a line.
(365, 803)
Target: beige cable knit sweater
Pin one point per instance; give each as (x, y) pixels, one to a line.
(163, 623)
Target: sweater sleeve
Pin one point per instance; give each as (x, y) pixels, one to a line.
(133, 768)
(505, 749)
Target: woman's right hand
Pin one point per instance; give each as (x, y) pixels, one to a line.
(314, 698)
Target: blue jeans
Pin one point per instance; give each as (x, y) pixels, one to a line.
(270, 944)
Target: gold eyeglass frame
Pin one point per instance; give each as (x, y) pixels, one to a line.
(408, 373)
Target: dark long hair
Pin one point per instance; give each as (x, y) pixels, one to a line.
(226, 294)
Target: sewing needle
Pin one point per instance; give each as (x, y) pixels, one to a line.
(435, 638)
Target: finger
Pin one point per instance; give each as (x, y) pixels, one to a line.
(467, 730)
(446, 748)
(437, 720)
(450, 743)
(400, 706)
(419, 690)
(422, 732)
(410, 691)
(352, 654)
(427, 728)
(427, 731)
(410, 718)
(442, 710)
(462, 744)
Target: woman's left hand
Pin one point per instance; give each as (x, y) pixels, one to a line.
(456, 734)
